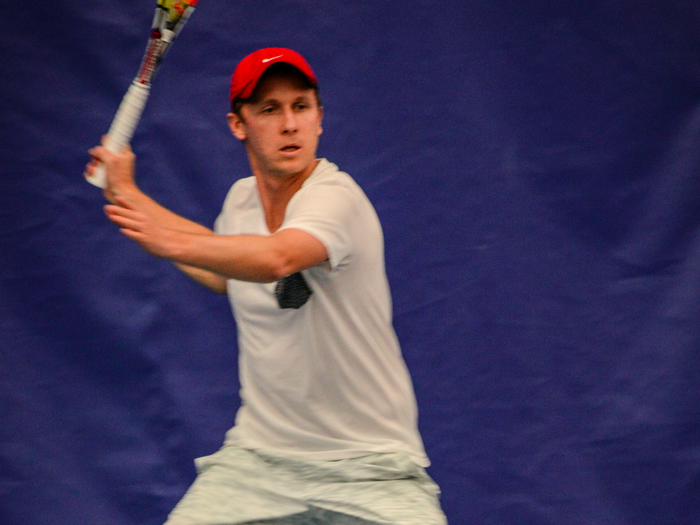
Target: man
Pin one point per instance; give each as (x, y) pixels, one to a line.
(327, 431)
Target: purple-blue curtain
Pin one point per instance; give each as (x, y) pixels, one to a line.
(536, 167)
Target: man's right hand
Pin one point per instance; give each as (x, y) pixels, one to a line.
(119, 170)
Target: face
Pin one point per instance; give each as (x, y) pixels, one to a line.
(280, 127)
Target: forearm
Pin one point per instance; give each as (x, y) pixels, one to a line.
(167, 219)
(161, 215)
(121, 184)
(244, 257)
(216, 283)
(256, 258)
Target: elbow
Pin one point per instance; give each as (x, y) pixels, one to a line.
(276, 273)
(280, 266)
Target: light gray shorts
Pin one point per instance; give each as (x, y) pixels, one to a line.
(236, 485)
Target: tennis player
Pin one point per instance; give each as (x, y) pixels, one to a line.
(327, 428)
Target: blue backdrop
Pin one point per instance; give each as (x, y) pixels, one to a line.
(536, 166)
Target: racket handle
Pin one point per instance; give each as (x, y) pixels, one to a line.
(123, 126)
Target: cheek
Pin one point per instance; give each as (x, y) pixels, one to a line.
(259, 135)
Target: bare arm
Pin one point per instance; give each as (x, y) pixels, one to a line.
(256, 258)
(121, 184)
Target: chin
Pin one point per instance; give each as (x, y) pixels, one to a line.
(293, 166)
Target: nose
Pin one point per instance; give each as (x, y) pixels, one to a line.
(290, 121)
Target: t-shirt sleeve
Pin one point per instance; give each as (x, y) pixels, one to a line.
(218, 224)
(225, 222)
(327, 212)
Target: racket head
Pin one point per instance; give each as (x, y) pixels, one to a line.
(177, 12)
(170, 17)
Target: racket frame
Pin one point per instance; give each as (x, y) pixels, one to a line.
(168, 20)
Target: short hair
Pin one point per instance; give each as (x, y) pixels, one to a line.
(280, 68)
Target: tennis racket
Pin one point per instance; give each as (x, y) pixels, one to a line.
(169, 19)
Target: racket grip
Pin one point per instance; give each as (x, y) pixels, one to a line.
(122, 129)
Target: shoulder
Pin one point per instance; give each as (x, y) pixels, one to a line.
(327, 173)
(329, 182)
(331, 197)
(241, 195)
(241, 199)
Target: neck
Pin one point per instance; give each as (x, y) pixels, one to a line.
(276, 192)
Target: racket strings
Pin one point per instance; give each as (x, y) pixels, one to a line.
(150, 60)
(167, 21)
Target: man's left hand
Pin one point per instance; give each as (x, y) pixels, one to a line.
(140, 227)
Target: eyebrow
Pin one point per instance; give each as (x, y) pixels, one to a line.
(271, 100)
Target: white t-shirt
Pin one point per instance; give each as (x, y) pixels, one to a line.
(326, 381)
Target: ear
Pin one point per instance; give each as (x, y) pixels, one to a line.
(320, 119)
(237, 126)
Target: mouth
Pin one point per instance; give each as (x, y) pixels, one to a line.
(290, 148)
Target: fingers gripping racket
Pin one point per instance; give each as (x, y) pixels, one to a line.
(169, 19)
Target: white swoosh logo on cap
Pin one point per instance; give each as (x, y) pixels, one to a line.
(268, 59)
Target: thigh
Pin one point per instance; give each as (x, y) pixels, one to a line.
(233, 487)
(316, 516)
(393, 502)
(386, 489)
(236, 486)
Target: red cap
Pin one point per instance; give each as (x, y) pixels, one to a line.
(251, 68)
